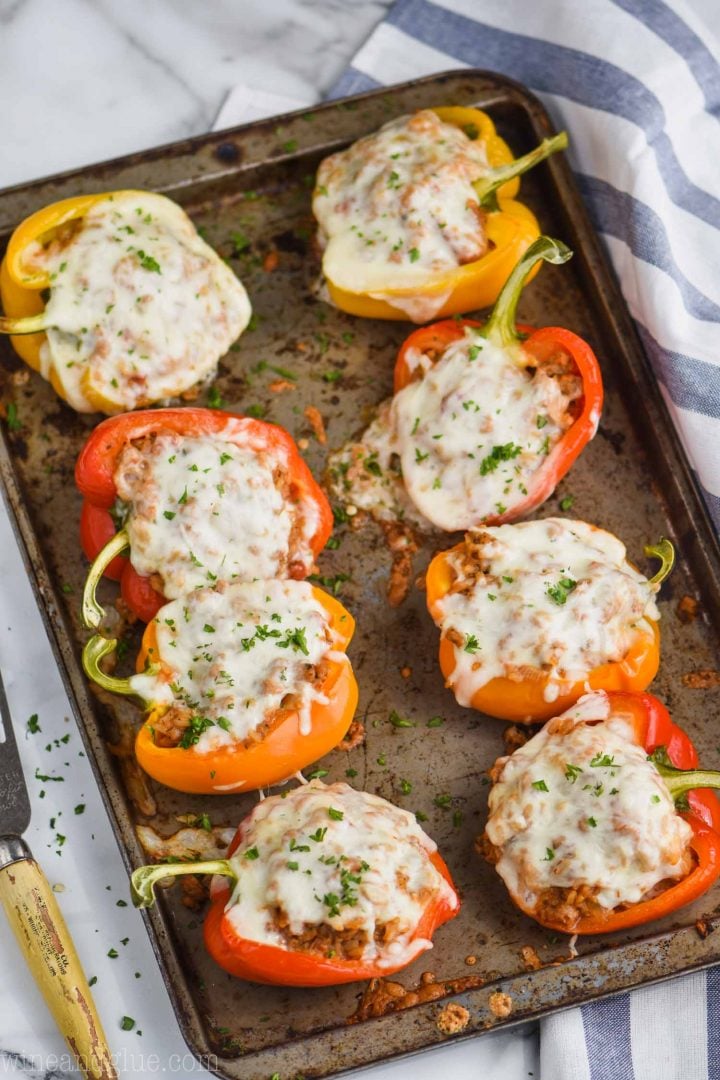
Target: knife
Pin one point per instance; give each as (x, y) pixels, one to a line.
(37, 922)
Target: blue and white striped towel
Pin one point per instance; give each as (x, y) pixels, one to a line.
(637, 85)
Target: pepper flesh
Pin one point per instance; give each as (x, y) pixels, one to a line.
(521, 341)
(271, 964)
(653, 729)
(523, 701)
(94, 476)
(280, 753)
(510, 226)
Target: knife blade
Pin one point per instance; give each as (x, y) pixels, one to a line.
(37, 922)
(14, 801)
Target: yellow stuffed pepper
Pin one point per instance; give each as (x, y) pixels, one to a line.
(419, 220)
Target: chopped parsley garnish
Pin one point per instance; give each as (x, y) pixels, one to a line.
(592, 822)
(405, 787)
(351, 773)
(372, 465)
(295, 639)
(414, 254)
(331, 376)
(471, 643)
(399, 721)
(196, 727)
(183, 498)
(319, 835)
(13, 421)
(252, 853)
(214, 398)
(504, 452)
(473, 352)
(32, 725)
(560, 592)
(540, 785)
(566, 503)
(443, 801)
(419, 456)
(240, 242)
(317, 774)
(435, 721)
(549, 855)
(393, 180)
(208, 629)
(148, 263)
(572, 772)
(541, 421)
(169, 514)
(127, 1023)
(603, 761)
(655, 798)
(336, 815)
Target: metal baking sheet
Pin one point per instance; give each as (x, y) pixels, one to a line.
(255, 181)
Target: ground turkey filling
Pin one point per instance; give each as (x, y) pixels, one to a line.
(335, 872)
(206, 508)
(236, 659)
(581, 822)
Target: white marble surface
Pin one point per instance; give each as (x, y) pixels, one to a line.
(80, 81)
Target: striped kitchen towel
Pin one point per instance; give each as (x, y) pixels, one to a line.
(637, 85)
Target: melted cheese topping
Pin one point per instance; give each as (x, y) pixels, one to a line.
(555, 595)
(474, 431)
(209, 508)
(462, 443)
(398, 208)
(237, 654)
(140, 307)
(580, 804)
(366, 474)
(337, 857)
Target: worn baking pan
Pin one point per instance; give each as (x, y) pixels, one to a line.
(254, 182)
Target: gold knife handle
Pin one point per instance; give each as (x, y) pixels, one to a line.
(45, 941)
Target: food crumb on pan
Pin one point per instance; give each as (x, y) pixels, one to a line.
(193, 892)
(704, 927)
(687, 609)
(355, 736)
(514, 737)
(277, 386)
(530, 958)
(406, 672)
(704, 679)
(471, 960)
(571, 947)
(452, 1019)
(500, 1005)
(270, 262)
(316, 422)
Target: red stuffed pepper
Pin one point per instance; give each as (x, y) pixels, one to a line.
(485, 421)
(198, 496)
(326, 885)
(615, 830)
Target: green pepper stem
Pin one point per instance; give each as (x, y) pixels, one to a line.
(679, 781)
(665, 552)
(92, 613)
(500, 327)
(144, 878)
(487, 185)
(31, 324)
(96, 649)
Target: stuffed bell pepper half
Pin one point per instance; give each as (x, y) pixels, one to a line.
(322, 885)
(534, 615)
(418, 220)
(485, 420)
(601, 822)
(117, 300)
(197, 496)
